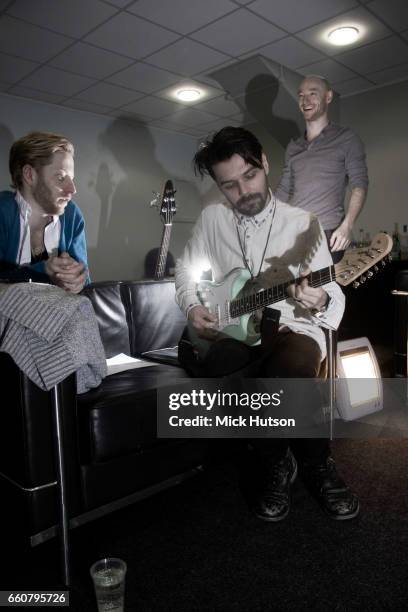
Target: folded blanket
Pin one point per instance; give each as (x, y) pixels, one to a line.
(50, 333)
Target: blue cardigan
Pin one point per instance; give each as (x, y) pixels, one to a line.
(72, 239)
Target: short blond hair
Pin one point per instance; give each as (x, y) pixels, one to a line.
(35, 149)
(322, 79)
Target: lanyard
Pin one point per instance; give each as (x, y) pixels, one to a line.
(265, 247)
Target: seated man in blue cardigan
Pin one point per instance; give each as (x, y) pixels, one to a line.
(41, 229)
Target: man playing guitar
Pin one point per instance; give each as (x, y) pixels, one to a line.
(273, 243)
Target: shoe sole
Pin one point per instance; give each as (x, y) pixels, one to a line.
(282, 516)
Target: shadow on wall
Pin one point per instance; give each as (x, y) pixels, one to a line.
(6, 140)
(261, 97)
(128, 227)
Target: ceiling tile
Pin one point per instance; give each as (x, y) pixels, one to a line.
(330, 69)
(370, 27)
(190, 117)
(377, 56)
(109, 95)
(218, 124)
(353, 86)
(292, 15)
(131, 36)
(221, 106)
(183, 16)
(144, 77)
(128, 116)
(207, 79)
(207, 91)
(187, 57)
(74, 18)
(29, 41)
(393, 12)
(26, 92)
(290, 52)
(12, 69)
(172, 127)
(56, 81)
(389, 74)
(119, 3)
(222, 34)
(90, 61)
(405, 34)
(86, 106)
(152, 107)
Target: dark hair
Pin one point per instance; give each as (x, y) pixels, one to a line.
(224, 144)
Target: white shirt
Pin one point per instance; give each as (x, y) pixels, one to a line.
(52, 232)
(296, 239)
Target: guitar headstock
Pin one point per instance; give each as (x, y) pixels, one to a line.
(166, 202)
(357, 263)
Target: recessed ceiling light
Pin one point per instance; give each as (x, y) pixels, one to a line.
(188, 95)
(343, 36)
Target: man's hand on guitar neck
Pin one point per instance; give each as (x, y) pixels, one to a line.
(203, 322)
(314, 298)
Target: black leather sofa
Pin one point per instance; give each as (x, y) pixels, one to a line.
(113, 456)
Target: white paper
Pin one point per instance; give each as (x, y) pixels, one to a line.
(122, 362)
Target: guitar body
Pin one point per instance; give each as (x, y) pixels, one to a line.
(217, 298)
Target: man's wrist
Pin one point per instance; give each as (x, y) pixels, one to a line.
(190, 307)
(318, 312)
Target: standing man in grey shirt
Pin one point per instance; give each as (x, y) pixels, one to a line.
(320, 165)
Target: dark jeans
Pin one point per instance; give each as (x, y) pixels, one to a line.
(288, 355)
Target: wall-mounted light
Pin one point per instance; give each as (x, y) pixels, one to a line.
(343, 36)
(188, 95)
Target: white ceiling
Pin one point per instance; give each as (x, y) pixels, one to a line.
(122, 58)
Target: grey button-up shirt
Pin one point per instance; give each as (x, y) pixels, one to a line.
(316, 173)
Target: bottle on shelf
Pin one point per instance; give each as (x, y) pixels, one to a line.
(367, 239)
(404, 242)
(396, 247)
(360, 243)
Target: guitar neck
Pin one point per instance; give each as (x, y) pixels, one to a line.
(266, 297)
(162, 255)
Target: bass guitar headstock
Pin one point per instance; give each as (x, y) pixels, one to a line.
(165, 202)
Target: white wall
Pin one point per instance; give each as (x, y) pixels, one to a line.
(380, 119)
(117, 166)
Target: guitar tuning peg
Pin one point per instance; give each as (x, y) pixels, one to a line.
(383, 263)
(376, 268)
(370, 274)
(356, 285)
(362, 279)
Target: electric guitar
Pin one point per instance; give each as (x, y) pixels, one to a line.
(167, 212)
(235, 308)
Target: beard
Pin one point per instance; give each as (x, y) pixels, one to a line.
(251, 204)
(43, 196)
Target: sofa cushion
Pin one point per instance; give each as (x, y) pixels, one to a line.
(119, 417)
(108, 303)
(155, 320)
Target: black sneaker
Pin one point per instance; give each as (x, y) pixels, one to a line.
(330, 490)
(273, 501)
